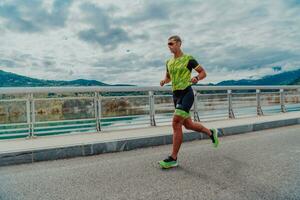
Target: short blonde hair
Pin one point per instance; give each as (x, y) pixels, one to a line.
(176, 38)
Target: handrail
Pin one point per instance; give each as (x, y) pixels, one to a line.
(25, 90)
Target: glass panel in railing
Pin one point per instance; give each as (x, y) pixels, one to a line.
(12, 112)
(13, 116)
(270, 101)
(64, 113)
(130, 109)
(212, 105)
(244, 103)
(164, 107)
(124, 106)
(292, 100)
(69, 109)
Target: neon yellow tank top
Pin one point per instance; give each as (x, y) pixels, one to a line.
(179, 73)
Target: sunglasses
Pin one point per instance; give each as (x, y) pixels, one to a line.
(171, 43)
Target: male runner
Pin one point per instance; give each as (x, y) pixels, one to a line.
(179, 69)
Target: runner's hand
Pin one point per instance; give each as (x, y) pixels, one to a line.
(162, 82)
(194, 80)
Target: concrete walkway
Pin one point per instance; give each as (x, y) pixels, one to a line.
(19, 151)
(262, 165)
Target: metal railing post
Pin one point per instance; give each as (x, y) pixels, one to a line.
(97, 107)
(258, 103)
(28, 115)
(282, 101)
(196, 116)
(230, 110)
(30, 111)
(33, 115)
(152, 108)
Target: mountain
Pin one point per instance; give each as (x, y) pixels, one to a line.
(14, 80)
(8, 79)
(285, 78)
(296, 82)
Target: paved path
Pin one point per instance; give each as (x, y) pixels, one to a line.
(19, 145)
(257, 165)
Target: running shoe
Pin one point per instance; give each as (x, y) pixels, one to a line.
(168, 163)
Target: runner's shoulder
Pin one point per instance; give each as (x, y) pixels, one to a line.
(190, 57)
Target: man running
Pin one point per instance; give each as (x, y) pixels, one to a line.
(179, 69)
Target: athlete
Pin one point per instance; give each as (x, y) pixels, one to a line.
(178, 71)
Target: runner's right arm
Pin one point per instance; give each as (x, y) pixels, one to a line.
(167, 78)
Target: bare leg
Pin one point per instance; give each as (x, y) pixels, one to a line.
(177, 135)
(196, 126)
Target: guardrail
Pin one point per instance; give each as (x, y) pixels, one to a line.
(30, 112)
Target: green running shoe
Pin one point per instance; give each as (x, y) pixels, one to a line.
(214, 137)
(168, 163)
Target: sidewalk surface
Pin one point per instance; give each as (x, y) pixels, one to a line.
(19, 151)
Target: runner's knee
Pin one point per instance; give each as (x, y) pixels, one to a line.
(177, 121)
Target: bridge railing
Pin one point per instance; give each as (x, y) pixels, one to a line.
(30, 112)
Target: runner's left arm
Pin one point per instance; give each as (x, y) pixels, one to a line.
(201, 72)
(193, 64)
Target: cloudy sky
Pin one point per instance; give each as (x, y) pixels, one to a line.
(125, 41)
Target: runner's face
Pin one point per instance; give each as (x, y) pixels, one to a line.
(173, 45)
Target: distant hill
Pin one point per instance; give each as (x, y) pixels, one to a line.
(296, 82)
(285, 78)
(8, 79)
(14, 80)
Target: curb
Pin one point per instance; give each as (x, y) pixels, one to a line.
(32, 156)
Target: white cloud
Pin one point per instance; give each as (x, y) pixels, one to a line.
(125, 41)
